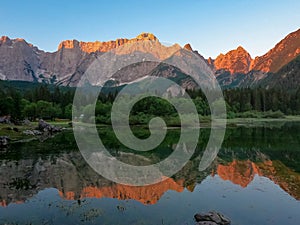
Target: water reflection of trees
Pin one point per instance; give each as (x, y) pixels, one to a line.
(246, 152)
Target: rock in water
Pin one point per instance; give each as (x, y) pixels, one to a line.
(225, 219)
(206, 223)
(211, 218)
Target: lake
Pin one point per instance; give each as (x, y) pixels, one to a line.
(255, 179)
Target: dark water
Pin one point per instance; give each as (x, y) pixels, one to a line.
(255, 179)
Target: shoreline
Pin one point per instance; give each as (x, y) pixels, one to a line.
(16, 132)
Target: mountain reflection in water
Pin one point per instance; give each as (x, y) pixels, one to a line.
(247, 153)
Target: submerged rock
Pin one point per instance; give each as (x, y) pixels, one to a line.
(211, 218)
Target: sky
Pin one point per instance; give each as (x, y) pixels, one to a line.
(211, 27)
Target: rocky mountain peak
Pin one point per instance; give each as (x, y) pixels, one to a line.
(98, 46)
(68, 44)
(9, 42)
(32, 64)
(188, 47)
(147, 36)
(283, 52)
(210, 61)
(20, 40)
(241, 49)
(234, 61)
(4, 39)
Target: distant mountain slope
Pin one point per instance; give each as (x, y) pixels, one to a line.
(99, 46)
(288, 77)
(234, 61)
(22, 61)
(239, 60)
(285, 51)
(278, 68)
(18, 59)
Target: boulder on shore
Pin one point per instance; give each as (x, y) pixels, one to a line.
(4, 141)
(211, 218)
(43, 126)
(5, 119)
(32, 132)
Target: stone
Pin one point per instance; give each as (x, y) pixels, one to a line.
(215, 217)
(4, 141)
(5, 119)
(36, 132)
(39, 167)
(46, 127)
(26, 122)
(211, 218)
(32, 132)
(43, 126)
(201, 217)
(225, 220)
(206, 223)
(28, 132)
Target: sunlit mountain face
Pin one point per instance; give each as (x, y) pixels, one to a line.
(66, 66)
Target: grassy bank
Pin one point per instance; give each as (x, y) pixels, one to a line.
(262, 121)
(15, 132)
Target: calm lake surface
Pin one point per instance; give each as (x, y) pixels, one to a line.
(255, 179)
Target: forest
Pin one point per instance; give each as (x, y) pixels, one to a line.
(53, 102)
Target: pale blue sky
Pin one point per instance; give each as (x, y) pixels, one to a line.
(210, 27)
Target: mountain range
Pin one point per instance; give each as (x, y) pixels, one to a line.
(20, 60)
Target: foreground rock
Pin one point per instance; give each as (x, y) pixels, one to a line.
(46, 127)
(5, 119)
(211, 218)
(4, 141)
(32, 132)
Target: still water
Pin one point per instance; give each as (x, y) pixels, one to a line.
(255, 179)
